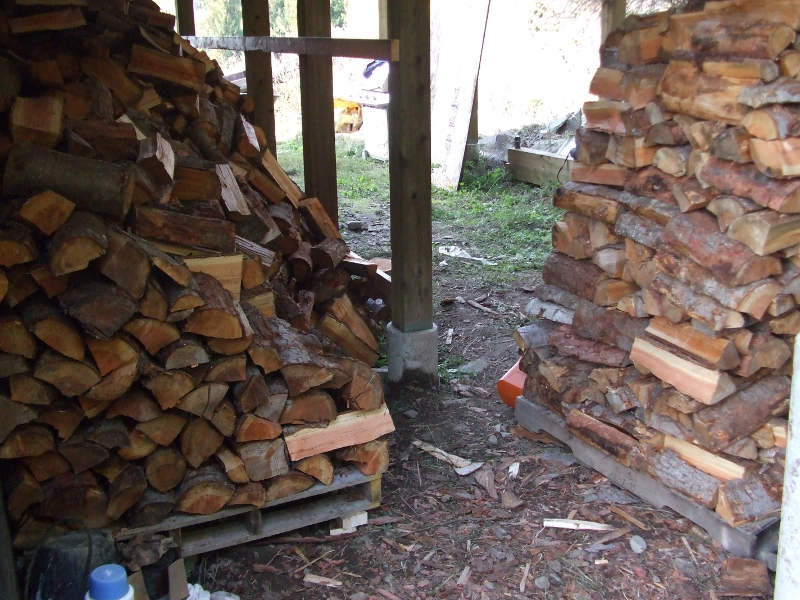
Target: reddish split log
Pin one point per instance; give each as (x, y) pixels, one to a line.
(753, 298)
(609, 439)
(696, 235)
(569, 344)
(747, 181)
(741, 414)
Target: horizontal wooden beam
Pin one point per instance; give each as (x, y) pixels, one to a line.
(316, 46)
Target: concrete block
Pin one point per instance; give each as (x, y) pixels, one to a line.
(412, 354)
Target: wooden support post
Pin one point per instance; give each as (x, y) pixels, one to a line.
(184, 11)
(383, 20)
(316, 98)
(258, 65)
(410, 166)
(8, 576)
(612, 14)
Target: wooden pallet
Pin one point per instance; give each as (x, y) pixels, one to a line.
(349, 493)
(741, 541)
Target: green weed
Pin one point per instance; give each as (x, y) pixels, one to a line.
(490, 215)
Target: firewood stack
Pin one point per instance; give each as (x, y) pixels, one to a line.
(182, 330)
(669, 306)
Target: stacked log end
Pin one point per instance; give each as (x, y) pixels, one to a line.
(668, 312)
(181, 328)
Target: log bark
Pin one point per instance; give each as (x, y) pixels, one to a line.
(607, 326)
(188, 230)
(93, 185)
(101, 308)
(747, 181)
(732, 144)
(676, 473)
(741, 414)
(696, 236)
(754, 498)
(578, 277)
(642, 231)
(752, 298)
(607, 438)
(569, 344)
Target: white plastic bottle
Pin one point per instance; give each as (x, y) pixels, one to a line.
(109, 582)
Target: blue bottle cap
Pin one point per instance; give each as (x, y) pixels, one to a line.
(108, 582)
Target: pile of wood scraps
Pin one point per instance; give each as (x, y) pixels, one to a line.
(668, 310)
(182, 329)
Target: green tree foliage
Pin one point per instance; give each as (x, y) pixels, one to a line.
(283, 16)
(224, 18)
(221, 17)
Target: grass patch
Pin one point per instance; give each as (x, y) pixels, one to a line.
(490, 215)
(503, 220)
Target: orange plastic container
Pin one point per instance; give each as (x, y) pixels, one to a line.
(510, 385)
